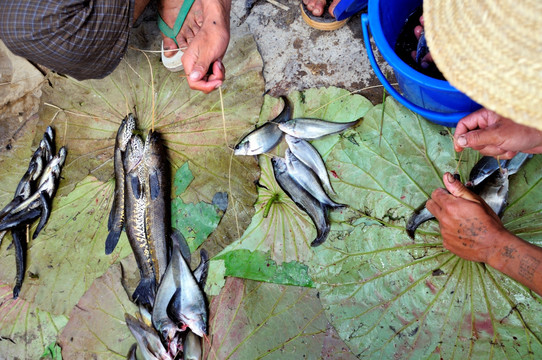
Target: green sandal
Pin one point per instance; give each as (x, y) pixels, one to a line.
(174, 63)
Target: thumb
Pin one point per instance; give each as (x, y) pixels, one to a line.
(481, 137)
(457, 189)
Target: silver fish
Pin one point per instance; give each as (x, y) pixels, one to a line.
(266, 137)
(486, 166)
(170, 282)
(307, 179)
(494, 191)
(311, 129)
(315, 209)
(148, 340)
(514, 164)
(309, 156)
(188, 305)
(116, 215)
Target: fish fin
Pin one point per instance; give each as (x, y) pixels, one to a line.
(174, 307)
(200, 273)
(111, 219)
(145, 292)
(45, 213)
(154, 185)
(322, 234)
(112, 240)
(176, 235)
(136, 186)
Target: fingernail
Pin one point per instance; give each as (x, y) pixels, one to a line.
(462, 141)
(218, 85)
(450, 178)
(195, 75)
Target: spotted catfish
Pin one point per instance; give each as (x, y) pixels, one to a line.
(116, 215)
(135, 206)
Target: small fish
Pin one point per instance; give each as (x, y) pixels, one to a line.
(421, 49)
(486, 166)
(40, 202)
(192, 347)
(148, 340)
(266, 137)
(135, 206)
(309, 156)
(494, 191)
(116, 215)
(317, 211)
(188, 305)
(307, 179)
(170, 282)
(311, 129)
(19, 240)
(157, 193)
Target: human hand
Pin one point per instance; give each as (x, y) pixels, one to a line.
(468, 226)
(202, 59)
(494, 135)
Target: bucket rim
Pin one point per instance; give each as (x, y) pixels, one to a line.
(392, 58)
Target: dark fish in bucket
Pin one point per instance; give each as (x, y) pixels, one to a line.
(421, 49)
(116, 215)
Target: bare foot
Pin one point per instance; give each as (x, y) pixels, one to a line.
(316, 7)
(169, 9)
(204, 38)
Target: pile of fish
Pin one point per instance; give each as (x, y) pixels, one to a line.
(301, 173)
(489, 178)
(178, 318)
(169, 295)
(33, 199)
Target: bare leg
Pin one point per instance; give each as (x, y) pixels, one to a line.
(139, 6)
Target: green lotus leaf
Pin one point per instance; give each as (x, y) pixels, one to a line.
(96, 329)
(279, 227)
(25, 329)
(391, 297)
(195, 221)
(252, 320)
(86, 116)
(66, 257)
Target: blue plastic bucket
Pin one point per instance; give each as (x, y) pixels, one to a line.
(434, 99)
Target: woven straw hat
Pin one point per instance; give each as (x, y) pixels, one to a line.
(491, 51)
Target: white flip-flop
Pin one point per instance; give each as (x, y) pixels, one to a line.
(173, 63)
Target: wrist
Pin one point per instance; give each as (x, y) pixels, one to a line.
(504, 251)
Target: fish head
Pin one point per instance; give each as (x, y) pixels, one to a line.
(243, 148)
(196, 321)
(134, 153)
(153, 145)
(125, 132)
(279, 164)
(62, 153)
(50, 133)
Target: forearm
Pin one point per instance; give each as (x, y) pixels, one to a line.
(519, 260)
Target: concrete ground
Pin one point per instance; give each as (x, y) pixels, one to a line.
(298, 57)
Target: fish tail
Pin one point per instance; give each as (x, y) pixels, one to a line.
(145, 291)
(321, 235)
(112, 240)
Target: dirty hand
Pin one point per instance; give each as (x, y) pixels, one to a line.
(202, 59)
(494, 135)
(467, 224)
